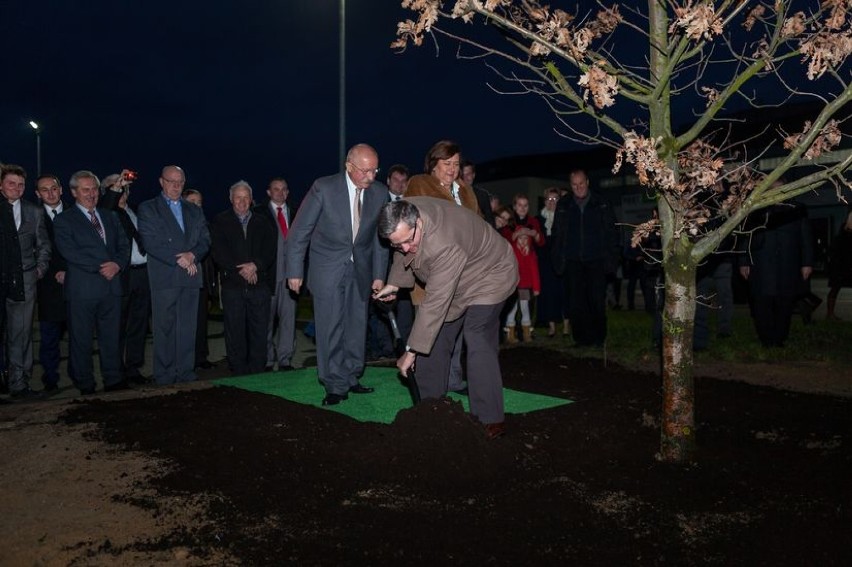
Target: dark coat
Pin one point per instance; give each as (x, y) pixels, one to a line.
(780, 245)
(231, 247)
(11, 270)
(83, 249)
(585, 235)
(51, 294)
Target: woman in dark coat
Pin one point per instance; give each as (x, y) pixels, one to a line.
(777, 262)
(840, 265)
(551, 305)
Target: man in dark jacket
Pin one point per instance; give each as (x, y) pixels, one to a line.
(244, 245)
(585, 248)
(777, 262)
(52, 307)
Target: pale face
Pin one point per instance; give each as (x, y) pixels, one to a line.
(407, 239)
(241, 200)
(362, 168)
(468, 174)
(522, 207)
(397, 182)
(446, 170)
(550, 201)
(172, 181)
(501, 220)
(86, 194)
(12, 187)
(48, 191)
(195, 199)
(579, 185)
(278, 192)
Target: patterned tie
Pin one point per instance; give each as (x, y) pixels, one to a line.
(53, 212)
(282, 222)
(356, 206)
(97, 224)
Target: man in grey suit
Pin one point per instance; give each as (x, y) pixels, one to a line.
(175, 236)
(280, 348)
(96, 249)
(338, 220)
(34, 244)
(469, 271)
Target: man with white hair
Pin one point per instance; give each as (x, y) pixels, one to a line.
(244, 245)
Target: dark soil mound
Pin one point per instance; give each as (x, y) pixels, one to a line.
(292, 483)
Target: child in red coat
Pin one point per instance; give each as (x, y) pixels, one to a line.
(523, 234)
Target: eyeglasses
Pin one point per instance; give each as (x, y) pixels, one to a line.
(173, 181)
(372, 172)
(552, 199)
(409, 240)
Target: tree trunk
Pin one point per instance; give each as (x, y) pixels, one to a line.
(677, 443)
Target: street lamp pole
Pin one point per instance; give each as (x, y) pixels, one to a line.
(342, 109)
(37, 129)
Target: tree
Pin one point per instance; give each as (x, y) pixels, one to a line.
(706, 184)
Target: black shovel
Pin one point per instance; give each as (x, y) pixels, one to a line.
(410, 381)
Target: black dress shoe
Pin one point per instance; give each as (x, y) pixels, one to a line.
(205, 365)
(333, 399)
(139, 379)
(87, 391)
(462, 392)
(26, 395)
(269, 368)
(118, 386)
(51, 387)
(286, 368)
(359, 389)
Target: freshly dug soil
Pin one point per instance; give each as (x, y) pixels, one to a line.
(221, 476)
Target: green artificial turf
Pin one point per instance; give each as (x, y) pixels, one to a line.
(390, 396)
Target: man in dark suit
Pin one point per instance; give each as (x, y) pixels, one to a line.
(483, 197)
(208, 292)
(337, 219)
(52, 308)
(34, 244)
(280, 348)
(244, 250)
(136, 302)
(175, 237)
(93, 243)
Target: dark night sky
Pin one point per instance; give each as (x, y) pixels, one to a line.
(232, 90)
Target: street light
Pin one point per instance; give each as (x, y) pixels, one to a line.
(37, 129)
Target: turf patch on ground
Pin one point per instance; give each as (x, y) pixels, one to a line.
(390, 396)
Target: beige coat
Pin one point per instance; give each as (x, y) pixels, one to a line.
(463, 262)
(427, 185)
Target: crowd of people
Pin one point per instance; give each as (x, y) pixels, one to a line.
(458, 266)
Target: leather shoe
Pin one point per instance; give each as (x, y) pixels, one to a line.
(52, 387)
(205, 364)
(87, 391)
(333, 399)
(25, 395)
(462, 392)
(118, 386)
(269, 368)
(495, 430)
(359, 389)
(286, 368)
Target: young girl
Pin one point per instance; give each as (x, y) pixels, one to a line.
(523, 235)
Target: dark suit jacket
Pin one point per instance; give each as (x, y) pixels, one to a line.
(164, 240)
(281, 248)
(82, 247)
(51, 294)
(231, 247)
(324, 223)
